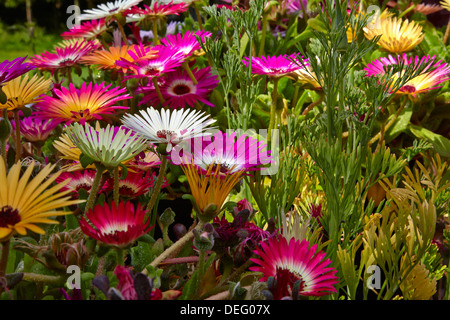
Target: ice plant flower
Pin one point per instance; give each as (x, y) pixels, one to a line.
(23, 91)
(107, 59)
(109, 9)
(70, 153)
(168, 126)
(274, 66)
(63, 57)
(108, 146)
(433, 73)
(135, 184)
(157, 12)
(80, 179)
(292, 262)
(167, 60)
(397, 35)
(230, 152)
(89, 30)
(118, 225)
(90, 102)
(186, 43)
(210, 189)
(12, 69)
(25, 203)
(36, 129)
(178, 89)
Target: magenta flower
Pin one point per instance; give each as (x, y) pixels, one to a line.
(158, 11)
(35, 129)
(12, 69)
(233, 153)
(275, 66)
(116, 225)
(186, 43)
(178, 89)
(167, 60)
(88, 30)
(64, 57)
(433, 73)
(289, 262)
(78, 180)
(135, 183)
(90, 102)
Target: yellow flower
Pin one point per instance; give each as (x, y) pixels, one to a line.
(397, 35)
(23, 90)
(445, 4)
(69, 152)
(210, 189)
(25, 203)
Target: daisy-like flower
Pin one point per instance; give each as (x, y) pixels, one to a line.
(168, 126)
(210, 189)
(433, 73)
(445, 4)
(167, 60)
(109, 9)
(186, 43)
(135, 184)
(308, 77)
(23, 91)
(172, 27)
(158, 11)
(292, 262)
(427, 8)
(179, 90)
(80, 179)
(274, 66)
(108, 146)
(89, 30)
(36, 129)
(12, 69)
(90, 102)
(107, 59)
(230, 152)
(25, 203)
(118, 225)
(64, 57)
(69, 152)
(146, 160)
(397, 35)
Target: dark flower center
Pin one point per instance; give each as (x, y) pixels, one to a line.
(162, 134)
(151, 71)
(408, 88)
(9, 217)
(181, 89)
(66, 62)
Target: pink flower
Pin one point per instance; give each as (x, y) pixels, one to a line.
(186, 43)
(88, 29)
(13, 69)
(274, 66)
(289, 262)
(243, 205)
(126, 283)
(178, 89)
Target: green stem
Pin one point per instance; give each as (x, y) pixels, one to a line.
(273, 109)
(200, 267)
(263, 34)
(120, 256)
(116, 185)
(158, 91)
(178, 245)
(95, 186)
(40, 278)
(189, 71)
(199, 17)
(447, 32)
(4, 260)
(122, 32)
(3, 142)
(157, 188)
(401, 15)
(17, 129)
(155, 32)
(390, 123)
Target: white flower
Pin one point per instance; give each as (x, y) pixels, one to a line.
(169, 126)
(108, 9)
(109, 146)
